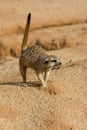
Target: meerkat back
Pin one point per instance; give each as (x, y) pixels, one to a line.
(31, 55)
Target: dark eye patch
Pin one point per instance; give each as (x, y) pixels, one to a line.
(53, 61)
(46, 62)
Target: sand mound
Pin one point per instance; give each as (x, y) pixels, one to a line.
(50, 39)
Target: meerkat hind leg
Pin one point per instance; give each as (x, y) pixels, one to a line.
(23, 73)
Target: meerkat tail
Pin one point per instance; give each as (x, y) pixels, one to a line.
(25, 38)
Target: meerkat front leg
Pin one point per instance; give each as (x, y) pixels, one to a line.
(41, 78)
(46, 76)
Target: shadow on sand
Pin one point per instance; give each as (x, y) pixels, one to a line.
(31, 83)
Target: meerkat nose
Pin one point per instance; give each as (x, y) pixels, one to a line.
(59, 63)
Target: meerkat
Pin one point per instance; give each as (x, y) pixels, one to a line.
(36, 58)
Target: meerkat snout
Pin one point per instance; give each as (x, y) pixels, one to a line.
(58, 62)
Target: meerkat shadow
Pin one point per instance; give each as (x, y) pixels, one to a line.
(35, 84)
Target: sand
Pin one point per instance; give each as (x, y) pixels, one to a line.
(60, 27)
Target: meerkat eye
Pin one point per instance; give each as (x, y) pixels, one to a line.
(54, 61)
(46, 62)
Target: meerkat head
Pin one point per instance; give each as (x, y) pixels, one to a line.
(52, 62)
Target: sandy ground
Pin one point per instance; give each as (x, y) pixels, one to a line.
(60, 27)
